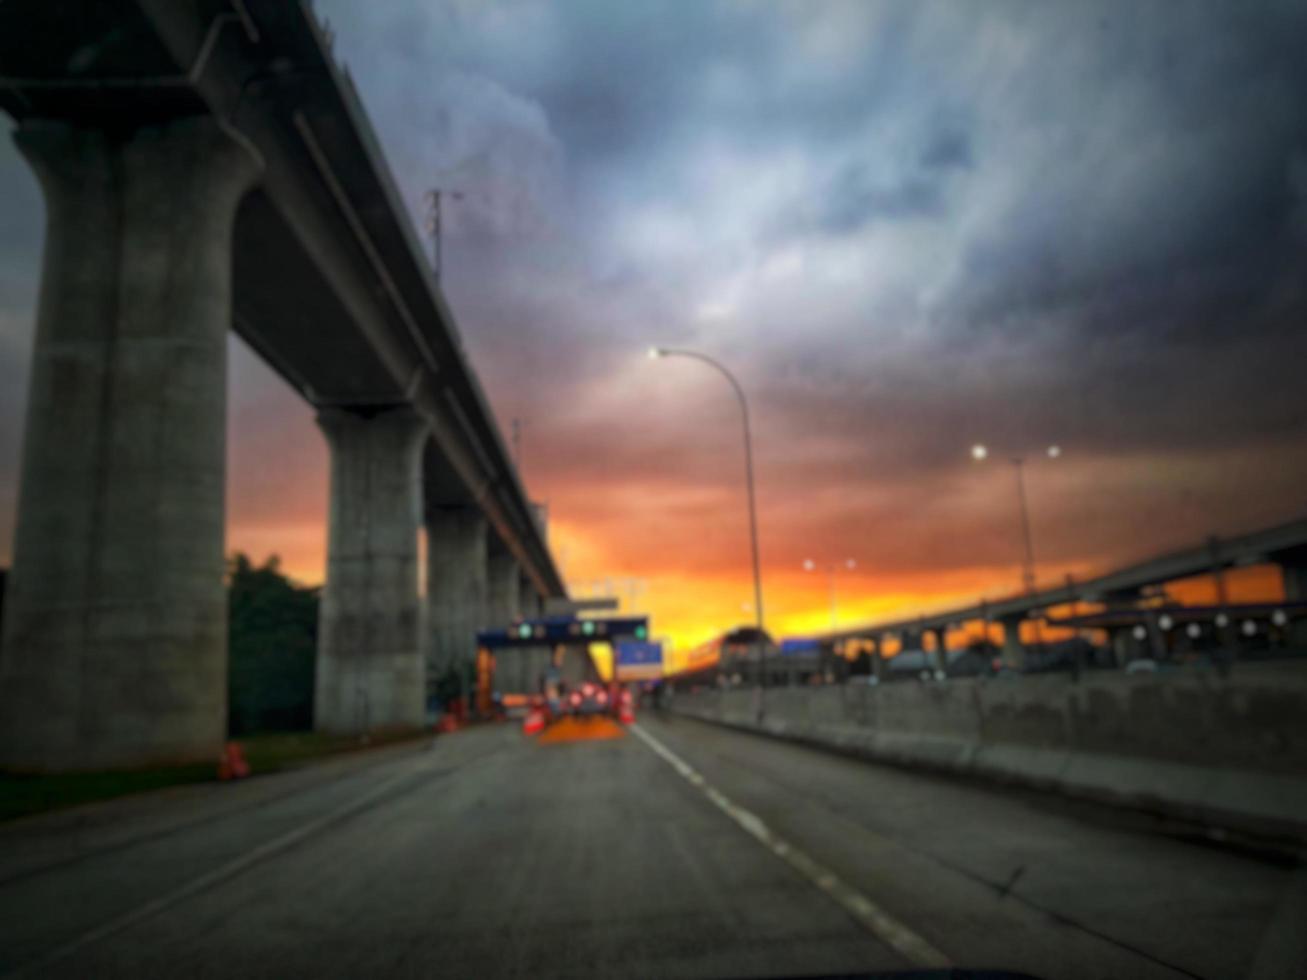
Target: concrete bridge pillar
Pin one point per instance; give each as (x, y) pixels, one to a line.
(1293, 568)
(504, 593)
(1014, 651)
(878, 665)
(456, 586)
(1295, 581)
(941, 647)
(528, 604)
(1121, 639)
(1121, 643)
(533, 607)
(115, 646)
(370, 670)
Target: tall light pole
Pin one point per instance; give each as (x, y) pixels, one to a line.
(659, 352)
(433, 199)
(809, 566)
(980, 453)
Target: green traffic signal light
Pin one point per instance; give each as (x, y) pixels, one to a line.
(587, 627)
(641, 632)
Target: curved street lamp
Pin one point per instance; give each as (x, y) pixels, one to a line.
(980, 452)
(655, 353)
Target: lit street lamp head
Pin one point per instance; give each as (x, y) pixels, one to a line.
(654, 353)
(809, 565)
(1054, 452)
(979, 452)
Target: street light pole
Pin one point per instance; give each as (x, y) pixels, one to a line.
(1028, 573)
(979, 453)
(659, 352)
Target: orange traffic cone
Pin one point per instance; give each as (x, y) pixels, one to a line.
(232, 764)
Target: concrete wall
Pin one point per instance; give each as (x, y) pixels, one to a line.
(1229, 752)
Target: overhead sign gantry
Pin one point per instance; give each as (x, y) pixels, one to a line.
(540, 649)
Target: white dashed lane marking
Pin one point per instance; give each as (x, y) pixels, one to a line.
(864, 911)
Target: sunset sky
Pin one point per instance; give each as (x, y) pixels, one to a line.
(906, 226)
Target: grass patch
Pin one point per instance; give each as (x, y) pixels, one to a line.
(24, 794)
(286, 750)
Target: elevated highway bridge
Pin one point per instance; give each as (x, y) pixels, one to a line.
(207, 165)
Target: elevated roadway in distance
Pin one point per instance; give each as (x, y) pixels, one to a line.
(1284, 544)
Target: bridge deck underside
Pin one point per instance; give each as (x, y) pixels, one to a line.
(305, 334)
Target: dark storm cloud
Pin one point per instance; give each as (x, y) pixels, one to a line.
(1164, 198)
(856, 195)
(854, 200)
(1073, 221)
(947, 148)
(907, 225)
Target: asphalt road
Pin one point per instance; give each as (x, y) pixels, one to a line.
(679, 849)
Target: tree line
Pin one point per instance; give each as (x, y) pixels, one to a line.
(272, 642)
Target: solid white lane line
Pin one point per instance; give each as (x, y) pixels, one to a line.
(216, 876)
(864, 911)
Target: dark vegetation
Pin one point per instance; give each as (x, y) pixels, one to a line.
(272, 641)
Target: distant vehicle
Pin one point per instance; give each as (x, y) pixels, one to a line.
(1141, 666)
(863, 680)
(587, 701)
(592, 700)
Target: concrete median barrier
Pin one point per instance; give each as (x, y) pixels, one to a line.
(1227, 752)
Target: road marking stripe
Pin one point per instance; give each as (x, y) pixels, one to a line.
(864, 911)
(214, 877)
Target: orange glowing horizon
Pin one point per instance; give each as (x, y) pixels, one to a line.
(670, 511)
(687, 609)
